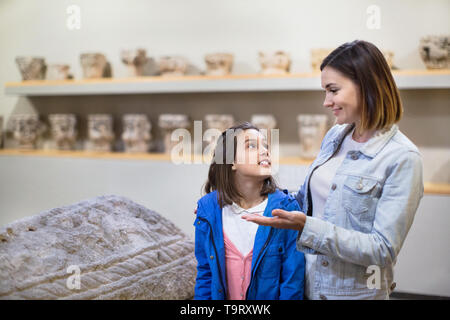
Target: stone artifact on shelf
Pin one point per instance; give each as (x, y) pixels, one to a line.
(311, 129)
(32, 68)
(105, 248)
(137, 62)
(100, 132)
(278, 62)
(389, 56)
(27, 129)
(64, 130)
(95, 65)
(435, 51)
(219, 64)
(172, 66)
(266, 122)
(136, 132)
(59, 72)
(1, 132)
(317, 56)
(168, 123)
(221, 122)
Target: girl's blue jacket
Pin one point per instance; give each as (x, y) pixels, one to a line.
(278, 269)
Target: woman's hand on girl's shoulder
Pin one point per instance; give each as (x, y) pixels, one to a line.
(282, 219)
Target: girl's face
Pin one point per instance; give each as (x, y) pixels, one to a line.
(252, 155)
(341, 96)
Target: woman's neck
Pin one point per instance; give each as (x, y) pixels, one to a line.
(250, 189)
(362, 135)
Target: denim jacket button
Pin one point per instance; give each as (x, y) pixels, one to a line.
(354, 157)
(325, 263)
(323, 297)
(211, 257)
(393, 285)
(333, 186)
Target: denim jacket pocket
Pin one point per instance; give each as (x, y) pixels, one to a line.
(358, 202)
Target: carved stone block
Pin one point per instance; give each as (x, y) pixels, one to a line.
(218, 64)
(170, 122)
(266, 122)
(32, 68)
(100, 132)
(59, 72)
(172, 66)
(136, 132)
(95, 65)
(1, 132)
(435, 52)
(137, 62)
(26, 128)
(311, 130)
(317, 56)
(103, 248)
(64, 131)
(277, 62)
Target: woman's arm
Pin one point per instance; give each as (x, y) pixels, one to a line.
(394, 215)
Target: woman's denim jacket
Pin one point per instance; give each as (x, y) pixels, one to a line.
(367, 215)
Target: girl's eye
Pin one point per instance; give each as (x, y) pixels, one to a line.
(334, 90)
(252, 145)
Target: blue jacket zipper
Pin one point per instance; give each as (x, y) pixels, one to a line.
(262, 250)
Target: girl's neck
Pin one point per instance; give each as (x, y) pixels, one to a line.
(250, 191)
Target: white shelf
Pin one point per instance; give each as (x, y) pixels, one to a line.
(422, 79)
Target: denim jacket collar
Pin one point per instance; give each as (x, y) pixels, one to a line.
(374, 145)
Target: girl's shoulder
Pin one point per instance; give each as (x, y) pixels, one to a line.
(287, 200)
(207, 203)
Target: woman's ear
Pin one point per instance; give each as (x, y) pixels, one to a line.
(233, 167)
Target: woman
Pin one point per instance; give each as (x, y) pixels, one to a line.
(361, 193)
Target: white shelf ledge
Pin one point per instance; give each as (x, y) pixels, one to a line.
(422, 79)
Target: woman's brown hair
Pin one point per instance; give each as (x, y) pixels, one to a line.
(221, 176)
(365, 65)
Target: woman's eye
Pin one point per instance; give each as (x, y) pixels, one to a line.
(252, 145)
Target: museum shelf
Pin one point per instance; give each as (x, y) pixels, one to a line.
(430, 187)
(405, 79)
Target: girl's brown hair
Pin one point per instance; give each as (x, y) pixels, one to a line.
(221, 176)
(365, 65)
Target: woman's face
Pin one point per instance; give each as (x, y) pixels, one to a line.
(341, 96)
(252, 155)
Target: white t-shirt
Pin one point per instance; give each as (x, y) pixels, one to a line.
(241, 232)
(320, 186)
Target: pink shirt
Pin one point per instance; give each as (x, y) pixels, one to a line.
(238, 270)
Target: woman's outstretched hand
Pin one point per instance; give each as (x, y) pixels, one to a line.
(281, 219)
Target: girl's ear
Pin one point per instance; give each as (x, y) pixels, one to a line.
(233, 167)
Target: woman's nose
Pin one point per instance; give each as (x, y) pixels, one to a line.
(328, 102)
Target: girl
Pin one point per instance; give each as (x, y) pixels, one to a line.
(361, 193)
(236, 259)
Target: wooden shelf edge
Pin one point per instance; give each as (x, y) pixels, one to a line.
(430, 187)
